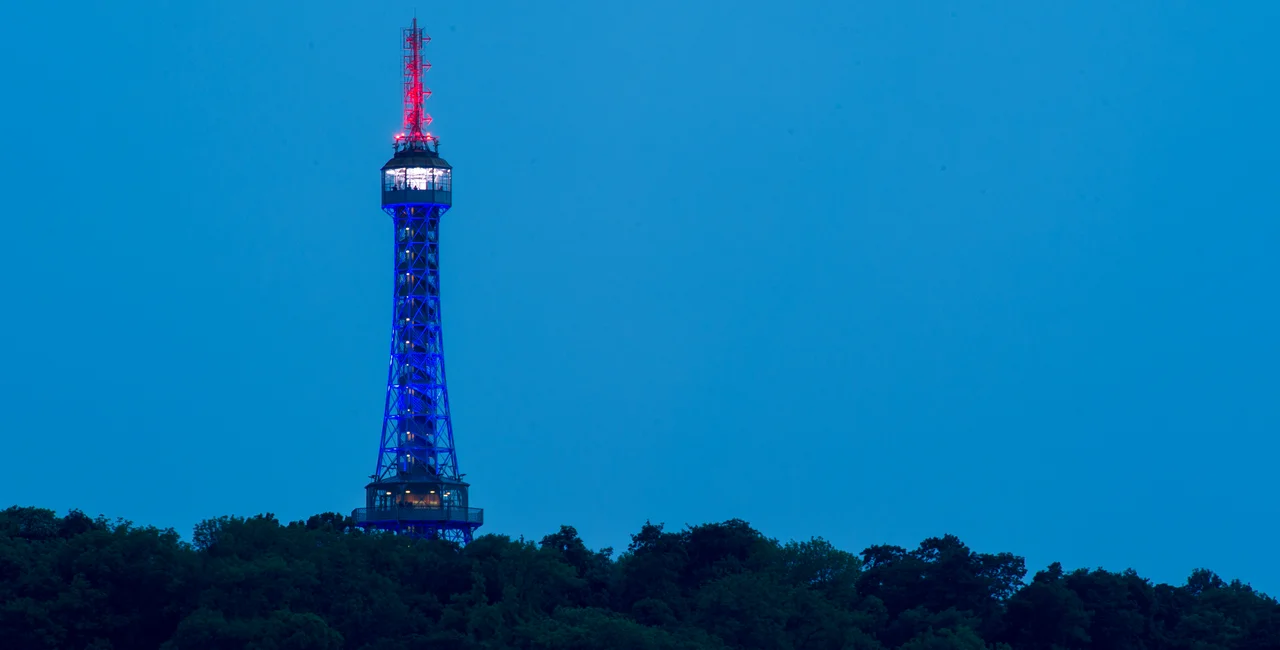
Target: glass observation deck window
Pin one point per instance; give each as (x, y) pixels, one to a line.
(418, 178)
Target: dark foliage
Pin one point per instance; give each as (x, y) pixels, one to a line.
(77, 582)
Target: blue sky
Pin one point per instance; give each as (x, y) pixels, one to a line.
(865, 271)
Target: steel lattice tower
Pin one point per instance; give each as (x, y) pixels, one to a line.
(416, 488)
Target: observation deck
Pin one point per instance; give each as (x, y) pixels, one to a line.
(417, 177)
(417, 503)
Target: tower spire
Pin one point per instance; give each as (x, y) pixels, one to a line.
(414, 135)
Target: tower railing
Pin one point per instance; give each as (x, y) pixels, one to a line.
(419, 513)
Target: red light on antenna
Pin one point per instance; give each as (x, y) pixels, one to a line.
(416, 118)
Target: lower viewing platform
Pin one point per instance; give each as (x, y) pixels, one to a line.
(474, 517)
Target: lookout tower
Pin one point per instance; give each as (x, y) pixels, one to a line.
(416, 488)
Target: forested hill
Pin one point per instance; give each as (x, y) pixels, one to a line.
(74, 582)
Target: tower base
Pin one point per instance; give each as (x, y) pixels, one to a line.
(431, 509)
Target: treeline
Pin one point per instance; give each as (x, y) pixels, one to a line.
(77, 582)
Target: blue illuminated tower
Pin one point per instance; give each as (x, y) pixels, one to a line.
(416, 488)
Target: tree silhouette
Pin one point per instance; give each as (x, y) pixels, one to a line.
(80, 582)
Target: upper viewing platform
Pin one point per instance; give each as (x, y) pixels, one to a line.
(417, 177)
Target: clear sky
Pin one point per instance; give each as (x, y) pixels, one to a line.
(870, 271)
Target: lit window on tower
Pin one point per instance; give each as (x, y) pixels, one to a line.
(393, 179)
(417, 178)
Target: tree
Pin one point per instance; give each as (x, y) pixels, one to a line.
(282, 630)
(1121, 608)
(746, 610)
(826, 569)
(1047, 615)
(942, 574)
(594, 569)
(961, 638)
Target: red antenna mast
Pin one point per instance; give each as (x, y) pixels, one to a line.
(414, 134)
